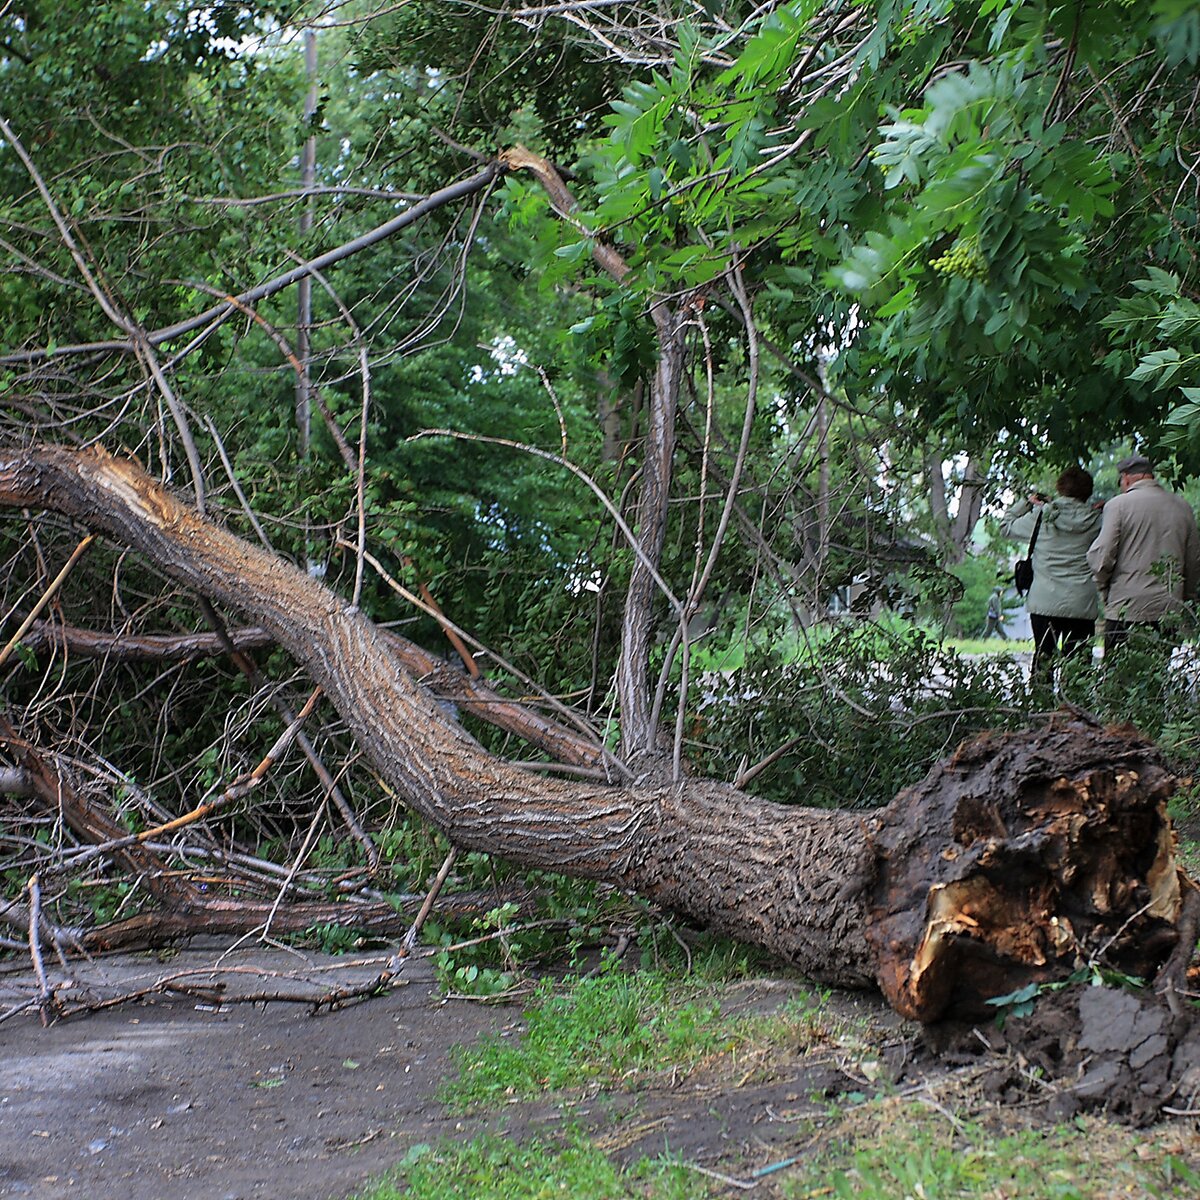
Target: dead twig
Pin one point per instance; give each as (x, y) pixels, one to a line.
(47, 596)
(45, 1000)
(386, 978)
(235, 791)
(247, 666)
(200, 984)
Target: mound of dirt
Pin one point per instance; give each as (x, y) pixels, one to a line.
(1087, 1048)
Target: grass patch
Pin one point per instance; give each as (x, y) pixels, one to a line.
(896, 1151)
(885, 1151)
(617, 1027)
(990, 645)
(496, 1168)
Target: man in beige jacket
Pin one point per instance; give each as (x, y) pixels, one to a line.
(1146, 560)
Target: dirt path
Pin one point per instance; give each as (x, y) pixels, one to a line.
(169, 1098)
(173, 1098)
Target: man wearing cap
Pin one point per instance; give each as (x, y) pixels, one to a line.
(1146, 560)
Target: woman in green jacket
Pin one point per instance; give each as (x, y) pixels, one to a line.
(1062, 601)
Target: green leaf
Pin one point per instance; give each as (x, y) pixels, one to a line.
(1028, 992)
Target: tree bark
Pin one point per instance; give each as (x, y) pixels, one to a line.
(638, 732)
(755, 871)
(1027, 854)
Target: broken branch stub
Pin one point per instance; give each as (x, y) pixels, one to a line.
(1020, 859)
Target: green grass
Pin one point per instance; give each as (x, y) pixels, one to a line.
(496, 1168)
(597, 1028)
(912, 1150)
(891, 1151)
(615, 1027)
(990, 645)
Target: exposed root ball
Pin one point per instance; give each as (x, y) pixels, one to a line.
(1020, 859)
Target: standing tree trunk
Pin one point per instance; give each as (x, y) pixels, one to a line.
(639, 734)
(1022, 854)
(638, 730)
(954, 533)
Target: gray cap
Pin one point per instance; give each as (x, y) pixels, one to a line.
(1135, 464)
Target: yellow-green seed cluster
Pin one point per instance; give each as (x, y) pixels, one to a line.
(963, 259)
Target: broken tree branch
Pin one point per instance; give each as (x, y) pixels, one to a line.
(46, 597)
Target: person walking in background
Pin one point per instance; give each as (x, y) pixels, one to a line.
(1146, 560)
(1062, 602)
(995, 616)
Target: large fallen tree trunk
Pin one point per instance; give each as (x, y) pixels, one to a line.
(1012, 862)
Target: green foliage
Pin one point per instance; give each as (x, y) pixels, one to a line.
(458, 975)
(979, 576)
(1021, 1002)
(1150, 685)
(867, 710)
(332, 939)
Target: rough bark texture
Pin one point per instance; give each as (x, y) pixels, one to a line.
(784, 878)
(638, 731)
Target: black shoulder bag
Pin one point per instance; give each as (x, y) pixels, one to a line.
(1023, 567)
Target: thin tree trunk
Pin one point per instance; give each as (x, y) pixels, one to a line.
(639, 736)
(638, 732)
(970, 505)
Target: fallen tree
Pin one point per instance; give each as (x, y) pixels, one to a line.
(1014, 861)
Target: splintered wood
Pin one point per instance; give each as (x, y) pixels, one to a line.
(1020, 859)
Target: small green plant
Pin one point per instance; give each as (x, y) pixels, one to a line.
(1021, 1002)
(332, 939)
(459, 975)
(497, 1168)
(469, 979)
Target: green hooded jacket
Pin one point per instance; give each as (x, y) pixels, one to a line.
(1062, 580)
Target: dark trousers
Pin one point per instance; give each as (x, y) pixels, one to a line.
(1117, 633)
(1069, 636)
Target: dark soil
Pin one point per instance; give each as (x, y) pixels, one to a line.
(1089, 1048)
(167, 1097)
